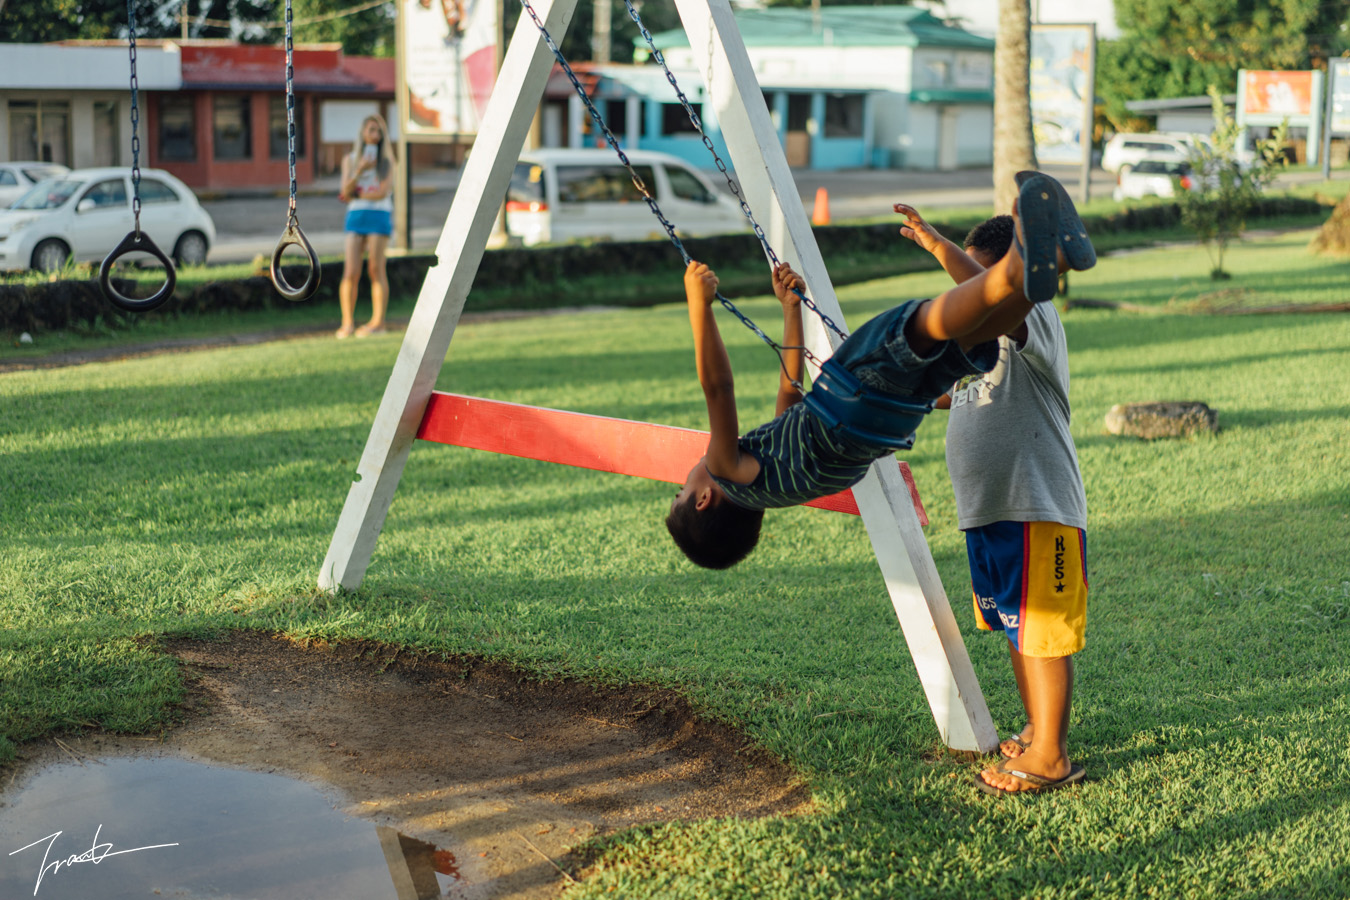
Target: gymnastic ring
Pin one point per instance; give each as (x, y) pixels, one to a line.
(137, 242)
(293, 235)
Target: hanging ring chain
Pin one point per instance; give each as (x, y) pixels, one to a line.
(656, 209)
(135, 121)
(292, 217)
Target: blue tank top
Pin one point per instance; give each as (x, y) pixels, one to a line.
(799, 460)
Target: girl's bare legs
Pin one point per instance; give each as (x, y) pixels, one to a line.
(351, 280)
(379, 283)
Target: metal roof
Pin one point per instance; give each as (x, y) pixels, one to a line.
(840, 26)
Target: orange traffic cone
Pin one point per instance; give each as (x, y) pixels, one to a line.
(821, 214)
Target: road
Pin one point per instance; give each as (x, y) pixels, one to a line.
(249, 226)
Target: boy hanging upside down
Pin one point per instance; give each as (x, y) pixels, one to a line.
(867, 400)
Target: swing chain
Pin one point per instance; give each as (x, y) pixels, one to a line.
(697, 122)
(293, 235)
(609, 135)
(656, 209)
(135, 121)
(291, 218)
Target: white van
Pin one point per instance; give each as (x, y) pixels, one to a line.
(562, 194)
(1124, 150)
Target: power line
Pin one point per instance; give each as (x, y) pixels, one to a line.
(351, 11)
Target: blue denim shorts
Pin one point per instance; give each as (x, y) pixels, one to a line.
(369, 221)
(879, 355)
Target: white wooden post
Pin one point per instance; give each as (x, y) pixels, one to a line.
(916, 591)
(487, 173)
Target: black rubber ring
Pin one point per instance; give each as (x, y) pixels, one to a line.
(137, 242)
(293, 235)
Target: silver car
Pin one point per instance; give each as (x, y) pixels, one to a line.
(18, 176)
(83, 214)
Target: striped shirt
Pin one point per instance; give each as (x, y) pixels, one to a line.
(799, 461)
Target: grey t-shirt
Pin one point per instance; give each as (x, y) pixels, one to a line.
(1009, 450)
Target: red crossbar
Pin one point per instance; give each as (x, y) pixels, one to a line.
(659, 452)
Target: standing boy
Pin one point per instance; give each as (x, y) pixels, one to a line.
(1021, 504)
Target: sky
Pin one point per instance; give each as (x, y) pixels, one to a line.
(982, 15)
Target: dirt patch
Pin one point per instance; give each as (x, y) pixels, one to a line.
(463, 752)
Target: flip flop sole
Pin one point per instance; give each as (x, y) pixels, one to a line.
(1076, 776)
(1073, 236)
(1038, 209)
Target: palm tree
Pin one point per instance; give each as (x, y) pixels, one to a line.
(1014, 148)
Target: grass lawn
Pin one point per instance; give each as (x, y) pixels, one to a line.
(197, 492)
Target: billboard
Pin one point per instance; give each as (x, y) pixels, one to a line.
(448, 54)
(1062, 86)
(1278, 93)
(1340, 96)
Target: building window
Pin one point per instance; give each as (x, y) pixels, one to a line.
(105, 133)
(231, 136)
(799, 112)
(177, 129)
(40, 130)
(278, 146)
(843, 115)
(674, 120)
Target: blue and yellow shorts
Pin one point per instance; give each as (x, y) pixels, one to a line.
(1029, 580)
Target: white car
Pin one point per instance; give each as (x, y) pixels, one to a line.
(17, 177)
(1153, 178)
(83, 214)
(560, 194)
(1123, 151)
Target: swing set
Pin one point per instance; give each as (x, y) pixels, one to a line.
(138, 241)
(411, 409)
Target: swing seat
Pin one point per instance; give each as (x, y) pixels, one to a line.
(844, 403)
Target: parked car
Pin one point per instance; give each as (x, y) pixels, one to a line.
(1152, 177)
(17, 177)
(82, 214)
(562, 194)
(1123, 151)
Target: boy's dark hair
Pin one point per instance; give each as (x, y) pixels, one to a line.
(717, 537)
(992, 236)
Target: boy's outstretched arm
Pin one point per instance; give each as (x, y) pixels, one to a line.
(954, 261)
(784, 281)
(714, 375)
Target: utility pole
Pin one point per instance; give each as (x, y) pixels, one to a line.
(600, 45)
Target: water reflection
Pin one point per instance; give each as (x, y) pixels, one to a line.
(124, 828)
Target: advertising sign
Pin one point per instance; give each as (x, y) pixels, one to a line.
(1278, 93)
(449, 59)
(1062, 85)
(1340, 96)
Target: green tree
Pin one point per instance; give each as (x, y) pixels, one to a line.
(361, 32)
(30, 21)
(1170, 49)
(1226, 186)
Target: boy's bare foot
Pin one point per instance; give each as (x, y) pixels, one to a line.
(1014, 746)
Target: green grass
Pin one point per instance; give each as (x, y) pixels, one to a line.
(196, 492)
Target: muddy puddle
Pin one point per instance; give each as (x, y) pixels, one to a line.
(164, 827)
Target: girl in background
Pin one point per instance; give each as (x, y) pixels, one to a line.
(367, 189)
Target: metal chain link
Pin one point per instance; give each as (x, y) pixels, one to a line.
(735, 188)
(291, 217)
(135, 121)
(656, 209)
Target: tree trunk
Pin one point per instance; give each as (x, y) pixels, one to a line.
(1014, 148)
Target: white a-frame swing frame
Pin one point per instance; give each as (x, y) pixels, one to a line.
(883, 498)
